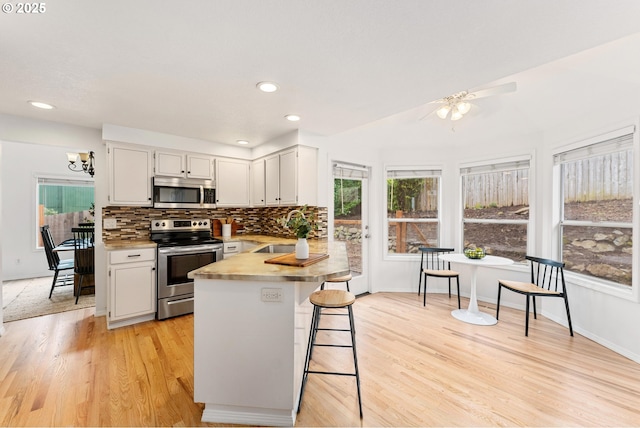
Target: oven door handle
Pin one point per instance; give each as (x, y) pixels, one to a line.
(175, 302)
(189, 249)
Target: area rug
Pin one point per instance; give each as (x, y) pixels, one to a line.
(28, 298)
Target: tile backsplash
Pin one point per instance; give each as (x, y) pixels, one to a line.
(134, 223)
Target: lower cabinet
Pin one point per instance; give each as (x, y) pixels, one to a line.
(132, 286)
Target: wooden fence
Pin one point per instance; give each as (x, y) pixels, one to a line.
(595, 179)
(502, 188)
(60, 224)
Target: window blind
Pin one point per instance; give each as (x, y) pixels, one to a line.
(345, 170)
(413, 173)
(495, 167)
(611, 145)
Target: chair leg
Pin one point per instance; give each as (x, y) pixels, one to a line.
(424, 294)
(458, 284)
(53, 284)
(355, 356)
(79, 288)
(449, 286)
(348, 286)
(535, 312)
(498, 302)
(420, 283)
(566, 304)
(526, 321)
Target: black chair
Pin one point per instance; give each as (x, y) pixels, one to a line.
(431, 265)
(547, 280)
(83, 238)
(53, 259)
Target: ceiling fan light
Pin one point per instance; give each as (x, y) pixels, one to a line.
(455, 113)
(443, 111)
(464, 107)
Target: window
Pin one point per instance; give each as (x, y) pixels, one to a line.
(496, 208)
(413, 198)
(596, 201)
(63, 204)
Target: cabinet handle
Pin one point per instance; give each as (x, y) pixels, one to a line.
(134, 255)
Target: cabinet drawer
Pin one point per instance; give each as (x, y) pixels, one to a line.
(130, 256)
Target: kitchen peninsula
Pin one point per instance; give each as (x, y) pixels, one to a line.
(251, 326)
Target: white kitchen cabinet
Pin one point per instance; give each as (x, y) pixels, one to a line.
(184, 165)
(257, 183)
(170, 164)
(132, 286)
(200, 166)
(232, 183)
(130, 171)
(291, 177)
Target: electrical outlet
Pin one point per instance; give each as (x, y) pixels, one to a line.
(272, 294)
(109, 223)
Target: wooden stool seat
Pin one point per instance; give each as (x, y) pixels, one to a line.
(343, 278)
(332, 298)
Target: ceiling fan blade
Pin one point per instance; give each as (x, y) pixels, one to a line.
(494, 90)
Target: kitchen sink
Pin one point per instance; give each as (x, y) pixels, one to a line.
(272, 248)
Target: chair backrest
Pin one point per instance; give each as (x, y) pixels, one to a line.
(547, 274)
(83, 240)
(47, 240)
(430, 258)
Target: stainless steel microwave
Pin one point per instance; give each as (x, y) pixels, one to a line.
(183, 193)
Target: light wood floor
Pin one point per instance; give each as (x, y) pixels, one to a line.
(419, 367)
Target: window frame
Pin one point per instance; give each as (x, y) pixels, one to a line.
(438, 219)
(53, 180)
(631, 293)
(496, 165)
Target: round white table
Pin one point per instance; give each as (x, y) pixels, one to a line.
(472, 315)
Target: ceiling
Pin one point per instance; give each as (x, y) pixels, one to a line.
(190, 68)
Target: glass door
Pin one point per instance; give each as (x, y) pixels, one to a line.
(350, 219)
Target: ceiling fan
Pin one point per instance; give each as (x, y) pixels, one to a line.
(459, 103)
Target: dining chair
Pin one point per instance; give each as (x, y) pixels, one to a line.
(83, 238)
(547, 280)
(53, 259)
(432, 266)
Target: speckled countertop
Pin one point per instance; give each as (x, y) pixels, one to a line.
(250, 266)
(127, 244)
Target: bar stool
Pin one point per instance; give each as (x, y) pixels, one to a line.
(331, 299)
(344, 278)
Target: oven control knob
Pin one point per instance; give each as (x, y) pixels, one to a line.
(205, 223)
(200, 224)
(195, 223)
(157, 224)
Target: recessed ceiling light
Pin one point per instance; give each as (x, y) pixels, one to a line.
(267, 86)
(292, 117)
(41, 105)
(243, 142)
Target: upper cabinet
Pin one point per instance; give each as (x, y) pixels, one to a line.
(130, 171)
(177, 164)
(257, 183)
(290, 177)
(232, 183)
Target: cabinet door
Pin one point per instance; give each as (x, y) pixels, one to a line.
(232, 183)
(130, 176)
(200, 166)
(133, 290)
(288, 178)
(169, 164)
(257, 184)
(272, 180)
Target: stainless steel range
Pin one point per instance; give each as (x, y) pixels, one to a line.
(183, 246)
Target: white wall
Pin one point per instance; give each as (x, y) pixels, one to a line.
(554, 105)
(33, 147)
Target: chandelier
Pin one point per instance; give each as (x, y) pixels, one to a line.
(456, 104)
(86, 160)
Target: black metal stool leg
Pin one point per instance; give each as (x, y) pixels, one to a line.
(312, 338)
(355, 356)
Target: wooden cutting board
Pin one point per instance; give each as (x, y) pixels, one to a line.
(290, 259)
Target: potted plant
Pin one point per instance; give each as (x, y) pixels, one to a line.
(302, 225)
